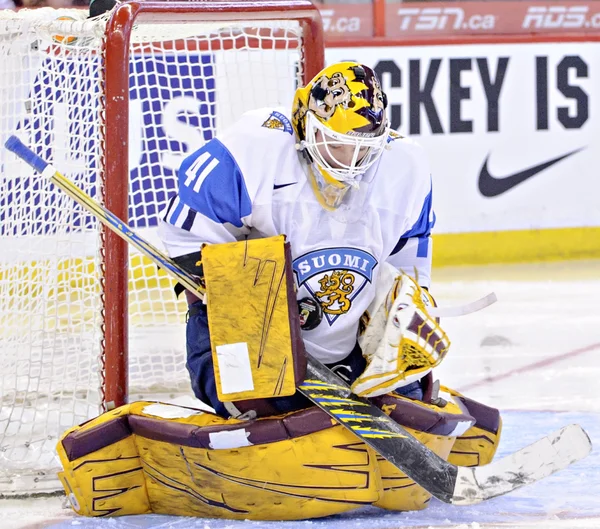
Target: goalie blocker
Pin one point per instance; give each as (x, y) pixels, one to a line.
(257, 349)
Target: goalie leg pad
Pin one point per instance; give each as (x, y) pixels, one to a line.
(297, 466)
(437, 426)
(150, 457)
(478, 445)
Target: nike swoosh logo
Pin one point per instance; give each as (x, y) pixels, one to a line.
(491, 186)
(279, 186)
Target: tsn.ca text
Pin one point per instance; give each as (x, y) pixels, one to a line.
(442, 18)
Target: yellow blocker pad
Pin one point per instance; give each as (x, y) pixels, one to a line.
(151, 457)
(253, 319)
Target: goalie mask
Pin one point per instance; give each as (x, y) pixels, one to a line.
(341, 126)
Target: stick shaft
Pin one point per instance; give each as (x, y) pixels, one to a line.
(104, 215)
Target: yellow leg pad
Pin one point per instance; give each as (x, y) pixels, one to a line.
(475, 448)
(253, 319)
(151, 457)
(291, 467)
(478, 445)
(433, 426)
(100, 477)
(401, 493)
(316, 475)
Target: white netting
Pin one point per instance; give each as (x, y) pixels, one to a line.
(187, 80)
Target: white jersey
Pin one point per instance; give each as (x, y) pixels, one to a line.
(250, 181)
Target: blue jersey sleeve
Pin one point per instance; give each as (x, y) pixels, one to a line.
(210, 184)
(212, 204)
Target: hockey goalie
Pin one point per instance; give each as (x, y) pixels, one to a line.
(310, 230)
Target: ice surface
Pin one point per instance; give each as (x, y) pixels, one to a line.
(535, 355)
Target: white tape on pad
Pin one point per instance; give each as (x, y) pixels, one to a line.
(168, 411)
(234, 367)
(228, 439)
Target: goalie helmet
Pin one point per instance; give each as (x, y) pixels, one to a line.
(341, 126)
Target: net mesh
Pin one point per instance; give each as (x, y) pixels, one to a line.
(187, 82)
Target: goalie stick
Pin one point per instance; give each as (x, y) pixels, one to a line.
(445, 481)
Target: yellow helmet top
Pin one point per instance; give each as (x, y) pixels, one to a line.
(346, 97)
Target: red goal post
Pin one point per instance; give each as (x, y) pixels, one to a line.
(117, 89)
(115, 103)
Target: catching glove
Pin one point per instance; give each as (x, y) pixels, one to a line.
(413, 343)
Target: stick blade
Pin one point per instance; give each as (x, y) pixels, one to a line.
(530, 464)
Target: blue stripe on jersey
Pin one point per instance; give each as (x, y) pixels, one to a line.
(189, 220)
(423, 247)
(421, 229)
(171, 201)
(211, 183)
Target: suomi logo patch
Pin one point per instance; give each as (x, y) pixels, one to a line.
(393, 135)
(335, 277)
(278, 121)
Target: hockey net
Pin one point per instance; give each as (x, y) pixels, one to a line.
(71, 342)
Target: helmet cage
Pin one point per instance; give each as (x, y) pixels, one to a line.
(367, 149)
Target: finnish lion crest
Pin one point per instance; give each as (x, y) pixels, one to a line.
(393, 135)
(335, 291)
(334, 277)
(277, 121)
